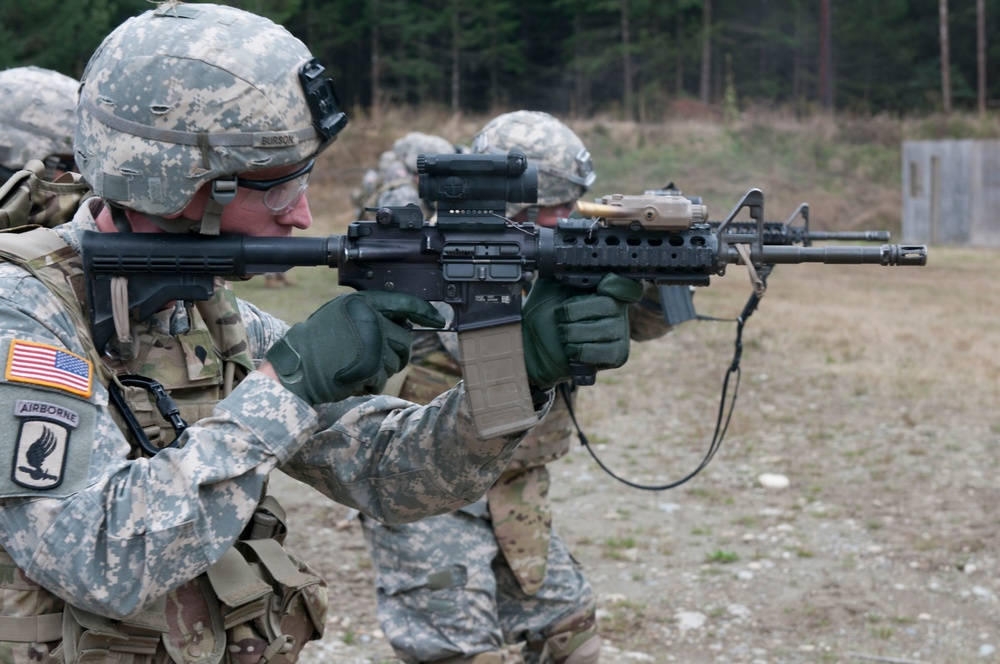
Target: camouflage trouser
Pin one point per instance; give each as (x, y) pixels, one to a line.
(444, 589)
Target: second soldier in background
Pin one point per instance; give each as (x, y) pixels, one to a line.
(464, 587)
(394, 182)
(37, 122)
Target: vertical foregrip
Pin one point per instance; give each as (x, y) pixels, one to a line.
(496, 382)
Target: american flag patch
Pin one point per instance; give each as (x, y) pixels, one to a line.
(39, 364)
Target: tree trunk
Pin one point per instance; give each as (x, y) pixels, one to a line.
(375, 63)
(797, 58)
(825, 57)
(494, 74)
(945, 58)
(706, 51)
(629, 112)
(579, 77)
(981, 54)
(678, 52)
(455, 61)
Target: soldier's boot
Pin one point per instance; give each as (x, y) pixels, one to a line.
(577, 649)
(573, 640)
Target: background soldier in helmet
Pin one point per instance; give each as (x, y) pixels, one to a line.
(455, 588)
(119, 543)
(37, 120)
(394, 182)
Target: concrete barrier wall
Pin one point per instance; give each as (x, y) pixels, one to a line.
(951, 192)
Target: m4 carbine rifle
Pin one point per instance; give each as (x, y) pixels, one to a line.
(471, 258)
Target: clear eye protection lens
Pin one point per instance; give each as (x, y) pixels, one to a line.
(281, 198)
(283, 193)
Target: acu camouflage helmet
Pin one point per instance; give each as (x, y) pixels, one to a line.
(565, 169)
(391, 169)
(408, 147)
(187, 94)
(37, 116)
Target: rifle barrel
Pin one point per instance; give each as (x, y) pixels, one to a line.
(887, 254)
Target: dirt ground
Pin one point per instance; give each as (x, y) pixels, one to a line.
(873, 390)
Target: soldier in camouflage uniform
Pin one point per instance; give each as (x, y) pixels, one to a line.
(37, 120)
(395, 180)
(456, 588)
(119, 544)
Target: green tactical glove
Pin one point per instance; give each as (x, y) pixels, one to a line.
(349, 346)
(562, 324)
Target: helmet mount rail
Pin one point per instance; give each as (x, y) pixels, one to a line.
(328, 119)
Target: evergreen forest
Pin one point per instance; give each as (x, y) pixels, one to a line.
(631, 59)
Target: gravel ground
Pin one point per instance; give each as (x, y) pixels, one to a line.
(872, 390)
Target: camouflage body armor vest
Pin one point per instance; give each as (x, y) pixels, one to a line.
(27, 198)
(258, 603)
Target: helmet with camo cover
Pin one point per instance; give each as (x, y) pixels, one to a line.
(565, 169)
(392, 169)
(189, 94)
(37, 117)
(408, 147)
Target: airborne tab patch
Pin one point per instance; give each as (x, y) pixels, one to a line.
(41, 364)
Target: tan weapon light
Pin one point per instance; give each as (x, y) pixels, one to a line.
(652, 212)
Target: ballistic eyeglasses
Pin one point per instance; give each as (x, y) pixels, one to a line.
(281, 194)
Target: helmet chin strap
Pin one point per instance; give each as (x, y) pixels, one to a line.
(223, 192)
(119, 218)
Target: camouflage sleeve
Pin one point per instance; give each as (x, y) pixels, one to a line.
(102, 531)
(263, 329)
(398, 462)
(389, 458)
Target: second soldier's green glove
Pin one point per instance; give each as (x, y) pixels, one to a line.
(563, 324)
(349, 346)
